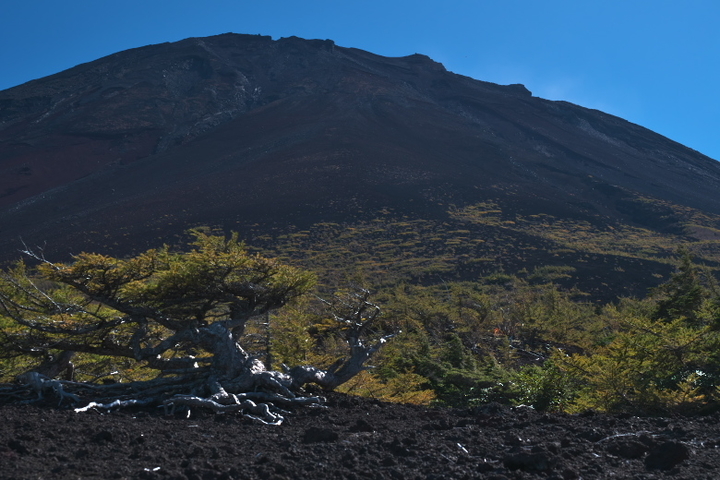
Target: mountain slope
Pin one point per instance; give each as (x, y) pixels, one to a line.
(270, 137)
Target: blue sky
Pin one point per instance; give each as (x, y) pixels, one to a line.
(653, 62)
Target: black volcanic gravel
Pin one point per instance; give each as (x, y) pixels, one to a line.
(355, 438)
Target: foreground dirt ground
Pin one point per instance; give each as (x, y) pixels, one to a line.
(355, 438)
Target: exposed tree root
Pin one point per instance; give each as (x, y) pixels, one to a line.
(258, 411)
(263, 404)
(40, 385)
(114, 404)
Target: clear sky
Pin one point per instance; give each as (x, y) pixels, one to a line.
(653, 62)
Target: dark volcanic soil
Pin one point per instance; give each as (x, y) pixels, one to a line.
(355, 438)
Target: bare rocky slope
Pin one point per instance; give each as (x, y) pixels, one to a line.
(250, 134)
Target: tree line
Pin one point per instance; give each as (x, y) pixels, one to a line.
(214, 326)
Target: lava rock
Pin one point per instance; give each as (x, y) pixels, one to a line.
(667, 455)
(317, 435)
(627, 448)
(530, 462)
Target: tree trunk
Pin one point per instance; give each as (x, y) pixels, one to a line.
(53, 366)
(230, 360)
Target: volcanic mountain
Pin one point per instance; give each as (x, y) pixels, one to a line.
(334, 155)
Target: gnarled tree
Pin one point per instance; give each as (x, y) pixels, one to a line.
(179, 314)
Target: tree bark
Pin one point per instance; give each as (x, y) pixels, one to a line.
(53, 366)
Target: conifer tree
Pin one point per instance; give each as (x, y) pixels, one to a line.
(180, 316)
(683, 294)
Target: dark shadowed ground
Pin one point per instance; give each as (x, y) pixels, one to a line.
(355, 438)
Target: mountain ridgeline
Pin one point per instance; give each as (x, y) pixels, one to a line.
(341, 160)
